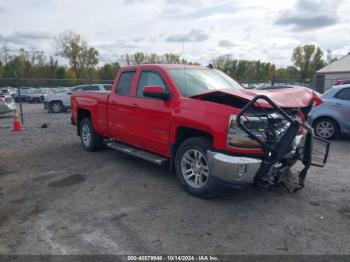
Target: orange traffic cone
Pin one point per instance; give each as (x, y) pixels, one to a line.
(17, 126)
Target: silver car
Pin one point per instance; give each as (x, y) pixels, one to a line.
(332, 117)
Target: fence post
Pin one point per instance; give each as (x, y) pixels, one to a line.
(89, 79)
(273, 80)
(19, 98)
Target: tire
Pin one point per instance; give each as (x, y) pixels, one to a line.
(56, 107)
(89, 139)
(199, 182)
(326, 128)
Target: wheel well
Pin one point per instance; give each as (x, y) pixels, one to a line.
(53, 101)
(184, 133)
(82, 113)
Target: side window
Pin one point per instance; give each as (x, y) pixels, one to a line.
(81, 88)
(149, 78)
(343, 94)
(125, 81)
(107, 87)
(95, 88)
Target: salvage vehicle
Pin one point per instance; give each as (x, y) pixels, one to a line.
(60, 102)
(332, 117)
(211, 131)
(7, 104)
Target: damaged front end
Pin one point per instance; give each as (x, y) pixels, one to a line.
(283, 136)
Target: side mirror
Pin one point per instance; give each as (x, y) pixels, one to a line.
(156, 92)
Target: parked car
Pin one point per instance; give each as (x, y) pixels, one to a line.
(6, 91)
(342, 82)
(332, 117)
(7, 104)
(60, 102)
(213, 132)
(37, 95)
(25, 92)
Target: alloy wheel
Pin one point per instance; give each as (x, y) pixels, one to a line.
(195, 168)
(86, 135)
(56, 107)
(325, 129)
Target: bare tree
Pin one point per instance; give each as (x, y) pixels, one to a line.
(82, 58)
(5, 56)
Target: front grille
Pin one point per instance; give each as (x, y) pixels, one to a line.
(267, 123)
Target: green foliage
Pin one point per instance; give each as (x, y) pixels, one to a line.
(307, 59)
(83, 61)
(244, 69)
(82, 58)
(108, 71)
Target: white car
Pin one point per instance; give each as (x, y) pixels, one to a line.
(60, 101)
(7, 104)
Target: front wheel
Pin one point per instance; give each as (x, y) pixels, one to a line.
(90, 140)
(56, 107)
(192, 167)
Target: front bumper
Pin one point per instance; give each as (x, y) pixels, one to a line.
(232, 169)
(240, 171)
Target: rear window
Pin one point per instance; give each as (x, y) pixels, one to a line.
(125, 81)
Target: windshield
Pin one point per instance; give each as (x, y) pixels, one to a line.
(193, 81)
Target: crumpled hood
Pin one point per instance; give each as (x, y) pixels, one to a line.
(283, 97)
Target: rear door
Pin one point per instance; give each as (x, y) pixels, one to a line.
(341, 104)
(151, 116)
(120, 108)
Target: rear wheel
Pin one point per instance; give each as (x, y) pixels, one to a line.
(192, 167)
(90, 140)
(326, 128)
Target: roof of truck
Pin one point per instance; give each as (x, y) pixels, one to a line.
(167, 66)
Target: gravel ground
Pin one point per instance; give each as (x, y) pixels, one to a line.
(57, 199)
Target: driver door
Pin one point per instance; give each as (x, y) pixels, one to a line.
(152, 116)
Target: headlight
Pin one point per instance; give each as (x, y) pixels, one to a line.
(268, 129)
(236, 137)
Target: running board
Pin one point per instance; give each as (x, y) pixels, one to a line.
(156, 159)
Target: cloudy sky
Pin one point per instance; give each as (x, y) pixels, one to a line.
(251, 29)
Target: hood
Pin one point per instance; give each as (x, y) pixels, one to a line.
(284, 97)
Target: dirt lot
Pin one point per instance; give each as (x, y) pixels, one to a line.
(57, 199)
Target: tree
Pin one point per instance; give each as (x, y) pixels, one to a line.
(108, 71)
(82, 58)
(307, 59)
(5, 56)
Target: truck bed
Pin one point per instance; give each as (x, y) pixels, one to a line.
(96, 104)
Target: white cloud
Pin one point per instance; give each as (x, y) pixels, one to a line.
(253, 29)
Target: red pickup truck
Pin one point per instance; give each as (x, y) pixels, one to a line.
(212, 131)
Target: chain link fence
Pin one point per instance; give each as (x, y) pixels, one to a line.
(41, 90)
(30, 90)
